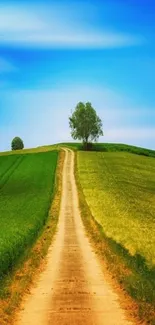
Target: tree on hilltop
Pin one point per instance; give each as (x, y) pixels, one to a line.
(85, 124)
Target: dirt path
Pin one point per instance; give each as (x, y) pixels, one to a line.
(72, 290)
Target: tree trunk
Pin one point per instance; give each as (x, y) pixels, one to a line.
(85, 144)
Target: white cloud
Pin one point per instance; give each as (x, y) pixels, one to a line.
(55, 27)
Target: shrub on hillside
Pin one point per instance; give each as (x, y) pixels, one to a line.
(17, 144)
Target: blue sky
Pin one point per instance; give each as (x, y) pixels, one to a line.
(54, 54)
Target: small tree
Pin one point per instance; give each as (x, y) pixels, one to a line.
(17, 144)
(85, 124)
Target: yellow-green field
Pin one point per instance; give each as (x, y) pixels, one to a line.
(117, 189)
(120, 191)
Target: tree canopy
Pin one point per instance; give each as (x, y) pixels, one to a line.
(85, 124)
(17, 144)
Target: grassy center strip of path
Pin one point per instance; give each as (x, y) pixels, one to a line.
(23, 274)
(98, 198)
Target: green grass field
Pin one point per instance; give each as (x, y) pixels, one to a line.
(26, 189)
(120, 191)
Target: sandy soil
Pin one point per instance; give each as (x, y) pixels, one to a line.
(72, 289)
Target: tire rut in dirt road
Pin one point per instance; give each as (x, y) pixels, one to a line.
(72, 289)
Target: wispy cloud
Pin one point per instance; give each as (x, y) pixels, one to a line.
(53, 27)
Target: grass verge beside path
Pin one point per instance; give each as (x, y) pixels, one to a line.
(22, 277)
(131, 272)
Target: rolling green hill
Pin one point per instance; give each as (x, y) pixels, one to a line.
(101, 147)
(112, 147)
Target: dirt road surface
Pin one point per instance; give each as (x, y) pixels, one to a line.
(72, 289)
